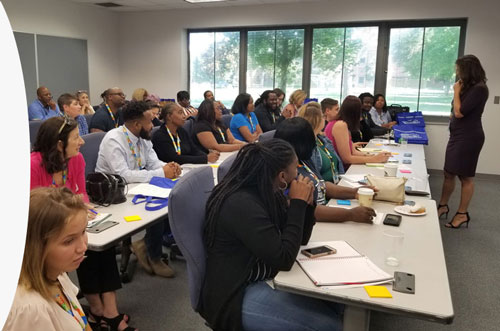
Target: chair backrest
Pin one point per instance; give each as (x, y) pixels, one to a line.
(225, 166)
(186, 214)
(226, 120)
(34, 127)
(188, 126)
(90, 150)
(88, 117)
(267, 135)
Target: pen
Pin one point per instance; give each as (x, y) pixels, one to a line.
(92, 210)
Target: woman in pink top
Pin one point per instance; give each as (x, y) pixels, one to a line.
(56, 162)
(339, 132)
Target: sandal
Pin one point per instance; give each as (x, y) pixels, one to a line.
(94, 325)
(444, 213)
(112, 323)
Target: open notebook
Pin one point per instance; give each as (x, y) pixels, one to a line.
(345, 267)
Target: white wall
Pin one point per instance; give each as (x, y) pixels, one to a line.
(158, 59)
(65, 19)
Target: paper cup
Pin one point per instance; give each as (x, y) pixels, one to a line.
(390, 169)
(365, 196)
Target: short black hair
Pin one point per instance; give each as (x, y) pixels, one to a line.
(300, 134)
(183, 95)
(205, 94)
(364, 95)
(135, 110)
(241, 103)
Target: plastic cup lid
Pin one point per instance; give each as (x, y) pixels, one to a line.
(365, 191)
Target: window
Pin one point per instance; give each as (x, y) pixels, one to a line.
(214, 65)
(413, 67)
(275, 59)
(343, 61)
(421, 68)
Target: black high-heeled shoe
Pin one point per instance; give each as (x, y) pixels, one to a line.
(445, 213)
(451, 226)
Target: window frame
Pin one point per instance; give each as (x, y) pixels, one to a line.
(381, 63)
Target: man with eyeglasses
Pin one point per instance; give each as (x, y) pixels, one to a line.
(108, 116)
(44, 106)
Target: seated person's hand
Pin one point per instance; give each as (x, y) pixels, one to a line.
(52, 105)
(362, 215)
(172, 170)
(382, 157)
(90, 215)
(301, 188)
(213, 156)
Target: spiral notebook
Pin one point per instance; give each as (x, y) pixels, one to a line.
(346, 267)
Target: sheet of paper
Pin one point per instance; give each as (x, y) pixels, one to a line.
(150, 191)
(98, 219)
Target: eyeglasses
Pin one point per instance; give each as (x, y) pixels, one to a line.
(66, 121)
(120, 94)
(81, 91)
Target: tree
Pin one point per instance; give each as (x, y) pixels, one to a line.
(440, 50)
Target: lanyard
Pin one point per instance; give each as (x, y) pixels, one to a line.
(274, 117)
(64, 177)
(177, 146)
(251, 123)
(222, 135)
(111, 114)
(309, 171)
(137, 157)
(330, 157)
(83, 319)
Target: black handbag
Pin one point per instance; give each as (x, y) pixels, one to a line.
(105, 189)
(395, 109)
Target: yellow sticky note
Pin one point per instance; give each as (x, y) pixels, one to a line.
(378, 144)
(378, 292)
(395, 153)
(132, 218)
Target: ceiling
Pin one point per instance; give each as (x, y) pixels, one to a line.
(152, 5)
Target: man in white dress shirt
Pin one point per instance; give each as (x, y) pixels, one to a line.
(127, 151)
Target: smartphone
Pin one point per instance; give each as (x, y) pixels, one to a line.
(392, 219)
(318, 251)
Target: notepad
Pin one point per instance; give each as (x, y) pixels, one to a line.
(132, 218)
(346, 267)
(378, 292)
(98, 219)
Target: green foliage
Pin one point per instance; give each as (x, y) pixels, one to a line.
(440, 52)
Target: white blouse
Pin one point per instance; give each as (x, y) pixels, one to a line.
(30, 311)
(383, 118)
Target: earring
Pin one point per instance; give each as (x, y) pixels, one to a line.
(283, 188)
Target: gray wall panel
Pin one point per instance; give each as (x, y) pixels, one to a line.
(62, 64)
(26, 48)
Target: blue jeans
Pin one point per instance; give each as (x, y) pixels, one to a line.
(154, 238)
(267, 309)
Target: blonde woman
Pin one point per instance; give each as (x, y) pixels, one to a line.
(83, 99)
(296, 100)
(324, 157)
(56, 242)
(140, 94)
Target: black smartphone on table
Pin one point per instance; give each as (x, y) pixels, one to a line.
(392, 219)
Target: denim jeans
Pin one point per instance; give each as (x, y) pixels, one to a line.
(154, 237)
(267, 309)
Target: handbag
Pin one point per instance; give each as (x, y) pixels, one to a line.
(389, 188)
(106, 189)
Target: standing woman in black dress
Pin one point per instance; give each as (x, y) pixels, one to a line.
(466, 136)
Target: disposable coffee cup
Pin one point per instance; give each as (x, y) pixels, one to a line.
(365, 196)
(390, 169)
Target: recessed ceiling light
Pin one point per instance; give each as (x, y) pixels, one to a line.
(200, 1)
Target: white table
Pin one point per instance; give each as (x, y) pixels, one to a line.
(422, 255)
(114, 235)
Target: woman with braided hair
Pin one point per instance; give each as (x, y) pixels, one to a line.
(246, 249)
